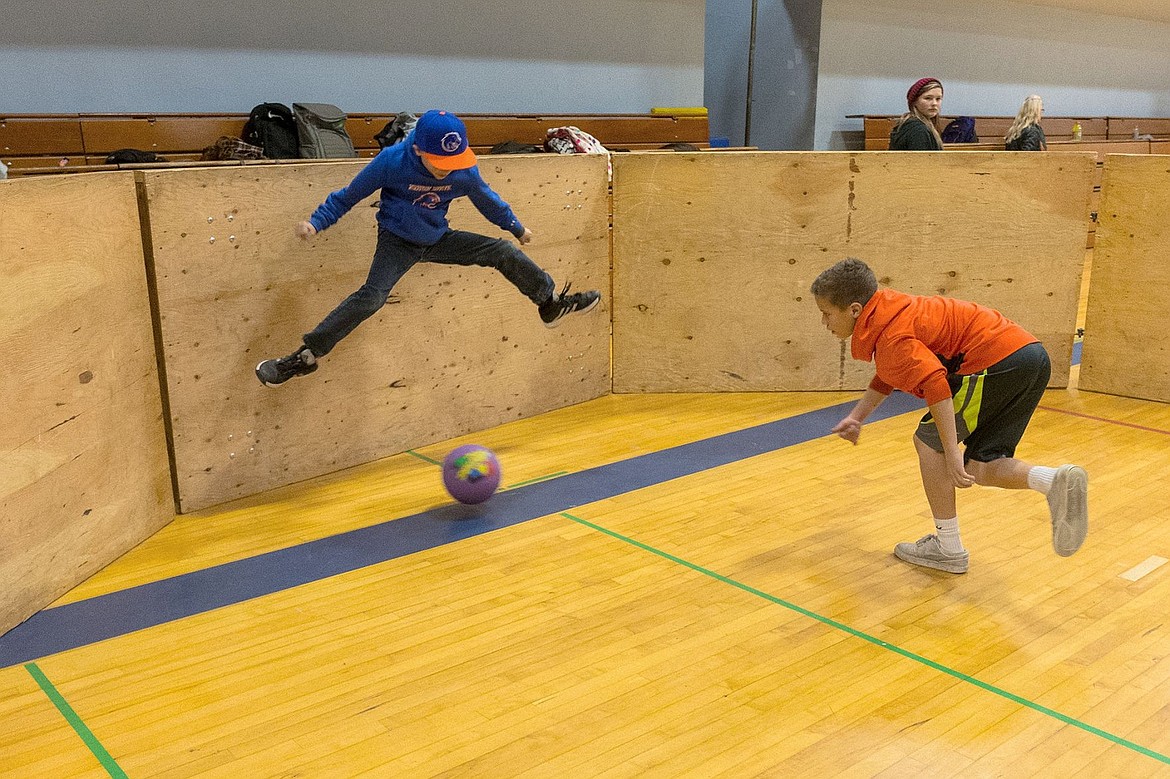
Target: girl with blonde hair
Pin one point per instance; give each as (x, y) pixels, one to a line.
(916, 130)
(1025, 134)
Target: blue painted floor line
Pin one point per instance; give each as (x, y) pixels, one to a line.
(118, 613)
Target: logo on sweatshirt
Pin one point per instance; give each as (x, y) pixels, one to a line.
(427, 200)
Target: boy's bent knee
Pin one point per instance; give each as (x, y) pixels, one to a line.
(512, 252)
(369, 299)
(978, 470)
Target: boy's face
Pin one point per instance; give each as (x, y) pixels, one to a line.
(437, 173)
(840, 321)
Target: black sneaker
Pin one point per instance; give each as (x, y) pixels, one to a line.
(563, 304)
(276, 372)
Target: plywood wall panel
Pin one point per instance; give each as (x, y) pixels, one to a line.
(455, 350)
(714, 255)
(1125, 352)
(83, 462)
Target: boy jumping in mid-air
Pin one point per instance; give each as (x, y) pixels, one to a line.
(419, 178)
(982, 376)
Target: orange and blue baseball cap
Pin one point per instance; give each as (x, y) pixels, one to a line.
(441, 138)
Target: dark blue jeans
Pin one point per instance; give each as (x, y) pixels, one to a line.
(394, 257)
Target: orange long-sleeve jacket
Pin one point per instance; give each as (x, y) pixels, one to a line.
(914, 341)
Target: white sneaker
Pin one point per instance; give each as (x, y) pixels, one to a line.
(1068, 501)
(928, 552)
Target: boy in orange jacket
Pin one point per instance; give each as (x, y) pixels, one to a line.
(982, 376)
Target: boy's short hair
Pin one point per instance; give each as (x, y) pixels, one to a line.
(849, 281)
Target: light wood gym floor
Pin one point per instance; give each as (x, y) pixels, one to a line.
(745, 619)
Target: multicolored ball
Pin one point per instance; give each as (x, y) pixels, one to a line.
(471, 473)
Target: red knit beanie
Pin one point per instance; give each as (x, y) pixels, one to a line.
(920, 86)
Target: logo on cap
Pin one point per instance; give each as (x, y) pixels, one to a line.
(451, 142)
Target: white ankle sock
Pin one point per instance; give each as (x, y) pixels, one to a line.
(948, 535)
(1040, 478)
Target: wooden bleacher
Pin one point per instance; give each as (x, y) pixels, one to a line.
(616, 131)
(39, 140)
(991, 129)
(38, 143)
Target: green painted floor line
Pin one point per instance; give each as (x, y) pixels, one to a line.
(534, 481)
(423, 457)
(71, 717)
(878, 642)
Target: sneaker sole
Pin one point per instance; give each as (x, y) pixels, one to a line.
(585, 310)
(1070, 513)
(958, 566)
(261, 378)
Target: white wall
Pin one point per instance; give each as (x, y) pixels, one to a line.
(989, 55)
(603, 56)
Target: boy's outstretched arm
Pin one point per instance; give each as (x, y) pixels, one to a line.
(368, 181)
(495, 210)
(849, 428)
(305, 230)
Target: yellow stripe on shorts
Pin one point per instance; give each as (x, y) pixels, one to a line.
(969, 399)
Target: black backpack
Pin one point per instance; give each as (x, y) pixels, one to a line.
(396, 130)
(515, 147)
(271, 127)
(132, 156)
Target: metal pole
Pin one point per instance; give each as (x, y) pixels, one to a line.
(747, 129)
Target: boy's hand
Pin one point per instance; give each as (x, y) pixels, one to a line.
(305, 230)
(849, 429)
(959, 476)
(526, 238)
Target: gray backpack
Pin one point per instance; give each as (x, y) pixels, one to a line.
(321, 131)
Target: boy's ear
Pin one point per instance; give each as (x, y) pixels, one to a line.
(855, 309)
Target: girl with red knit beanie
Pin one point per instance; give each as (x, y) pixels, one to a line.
(916, 130)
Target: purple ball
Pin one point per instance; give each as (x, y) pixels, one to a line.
(471, 473)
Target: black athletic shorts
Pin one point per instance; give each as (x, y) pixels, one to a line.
(993, 407)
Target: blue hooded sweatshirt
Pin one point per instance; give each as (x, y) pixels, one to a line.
(413, 202)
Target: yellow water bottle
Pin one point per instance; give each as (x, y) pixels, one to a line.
(1076, 131)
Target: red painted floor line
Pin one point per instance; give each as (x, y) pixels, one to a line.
(1103, 419)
